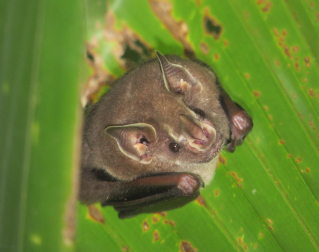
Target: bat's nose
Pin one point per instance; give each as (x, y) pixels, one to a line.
(200, 136)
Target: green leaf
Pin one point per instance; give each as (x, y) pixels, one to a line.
(41, 53)
(264, 197)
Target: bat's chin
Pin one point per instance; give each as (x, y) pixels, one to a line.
(213, 150)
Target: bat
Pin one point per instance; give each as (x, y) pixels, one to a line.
(153, 140)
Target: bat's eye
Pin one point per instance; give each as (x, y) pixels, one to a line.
(199, 112)
(174, 147)
(144, 141)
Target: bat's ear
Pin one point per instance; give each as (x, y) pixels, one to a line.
(200, 136)
(176, 78)
(133, 140)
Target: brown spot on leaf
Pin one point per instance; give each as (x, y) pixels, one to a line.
(270, 117)
(222, 160)
(212, 26)
(281, 141)
(216, 56)
(95, 214)
(204, 48)
(155, 219)
(256, 93)
(246, 14)
(178, 29)
(304, 79)
(216, 192)
(125, 249)
(245, 247)
(267, 7)
(298, 160)
(289, 156)
(234, 174)
(266, 108)
(240, 241)
(311, 125)
(146, 227)
(295, 49)
(186, 246)
(247, 75)
(301, 116)
(269, 221)
(297, 66)
(199, 2)
(226, 43)
(170, 222)
(285, 33)
(310, 92)
(200, 200)
(239, 185)
(271, 228)
(307, 170)
(163, 214)
(156, 236)
(277, 62)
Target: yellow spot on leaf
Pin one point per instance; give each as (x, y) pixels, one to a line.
(36, 239)
(5, 88)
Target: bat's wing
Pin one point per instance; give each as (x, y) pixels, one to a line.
(156, 193)
(240, 122)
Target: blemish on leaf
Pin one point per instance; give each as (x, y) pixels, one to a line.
(285, 33)
(269, 221)
(36, 239)
(301, 116)
(155, 219)
(271, 228)
(186, 246)
(307, 170)
(178, 29)
(95, 214)
(255, 246)
(261, 235)
(163, 214)
(146, 227)
(216, 56)
(239, 185)
(298, 160)
(240, 241)
(170, 222)
(297, 66)
(200, 200)
(199, 2)
(281, 141)
(222, 160)
(245, 247)
(212, 27)
(311, 125)
(216, 192)
(304, 79)
(5, 88)
(277, 62)
(156, 236)
(247, 75)
(295, 49)
(311, 93)
(125, 249)
(270, 117)
(226, 43)
(204, 48)
(265, 108)
(234, 174)
(256, 93)
(289, 156)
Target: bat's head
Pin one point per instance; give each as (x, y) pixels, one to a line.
(184, 126)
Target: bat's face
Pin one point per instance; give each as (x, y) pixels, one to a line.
(179, 126)
(158, 133)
